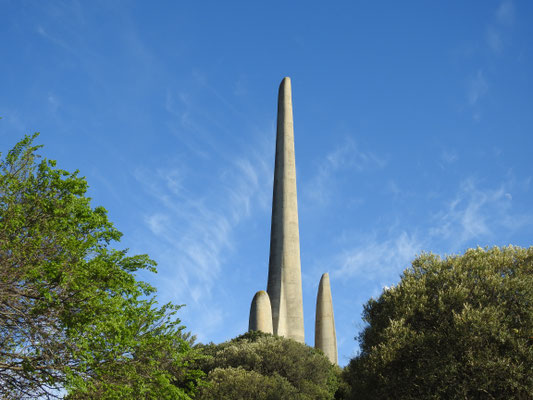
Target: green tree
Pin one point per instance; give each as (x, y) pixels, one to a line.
(73, 317)
(458, 327)
(258, 366)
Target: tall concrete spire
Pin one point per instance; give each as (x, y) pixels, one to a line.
(325, 335)
(284, 271)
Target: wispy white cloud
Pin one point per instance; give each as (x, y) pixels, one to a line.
(210, 317)
(504, 19)
(250, 179)
(12, 122)
(494, 40)
(240, 87)
(505, 13)
(195, 126)
(473, 216)
(346, 157)
(477, 88)
(158, 223)
(202, 80)
(53, 39)
(190, 231)
(192, 227)
(190, 131)
(466, 216)
(477, 215)
(53, 102)
(393, 188)
(448, 156)
(379, 260)
(349, 156)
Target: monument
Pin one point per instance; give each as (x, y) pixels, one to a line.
(325, 336)
(284, 288)
(261, 313)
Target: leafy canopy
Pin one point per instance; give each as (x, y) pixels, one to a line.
(454, 328)
(260, 366)
(73, 317)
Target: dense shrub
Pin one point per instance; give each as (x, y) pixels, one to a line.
(261, 366)
(458, 327)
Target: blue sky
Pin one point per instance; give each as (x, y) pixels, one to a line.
(413, 132)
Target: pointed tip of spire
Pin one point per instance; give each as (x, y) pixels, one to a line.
(285, 84)
(285, 99)
(324, 278)
(261, 293)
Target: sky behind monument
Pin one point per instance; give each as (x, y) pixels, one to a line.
(413, 132)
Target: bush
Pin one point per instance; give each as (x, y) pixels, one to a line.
(261, 366)
(453, 328)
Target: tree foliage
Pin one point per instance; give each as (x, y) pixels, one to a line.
(73, 317)
(265, 367)
(458, 327)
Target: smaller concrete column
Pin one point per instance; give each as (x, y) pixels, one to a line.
(261, 313)
(325, 335)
